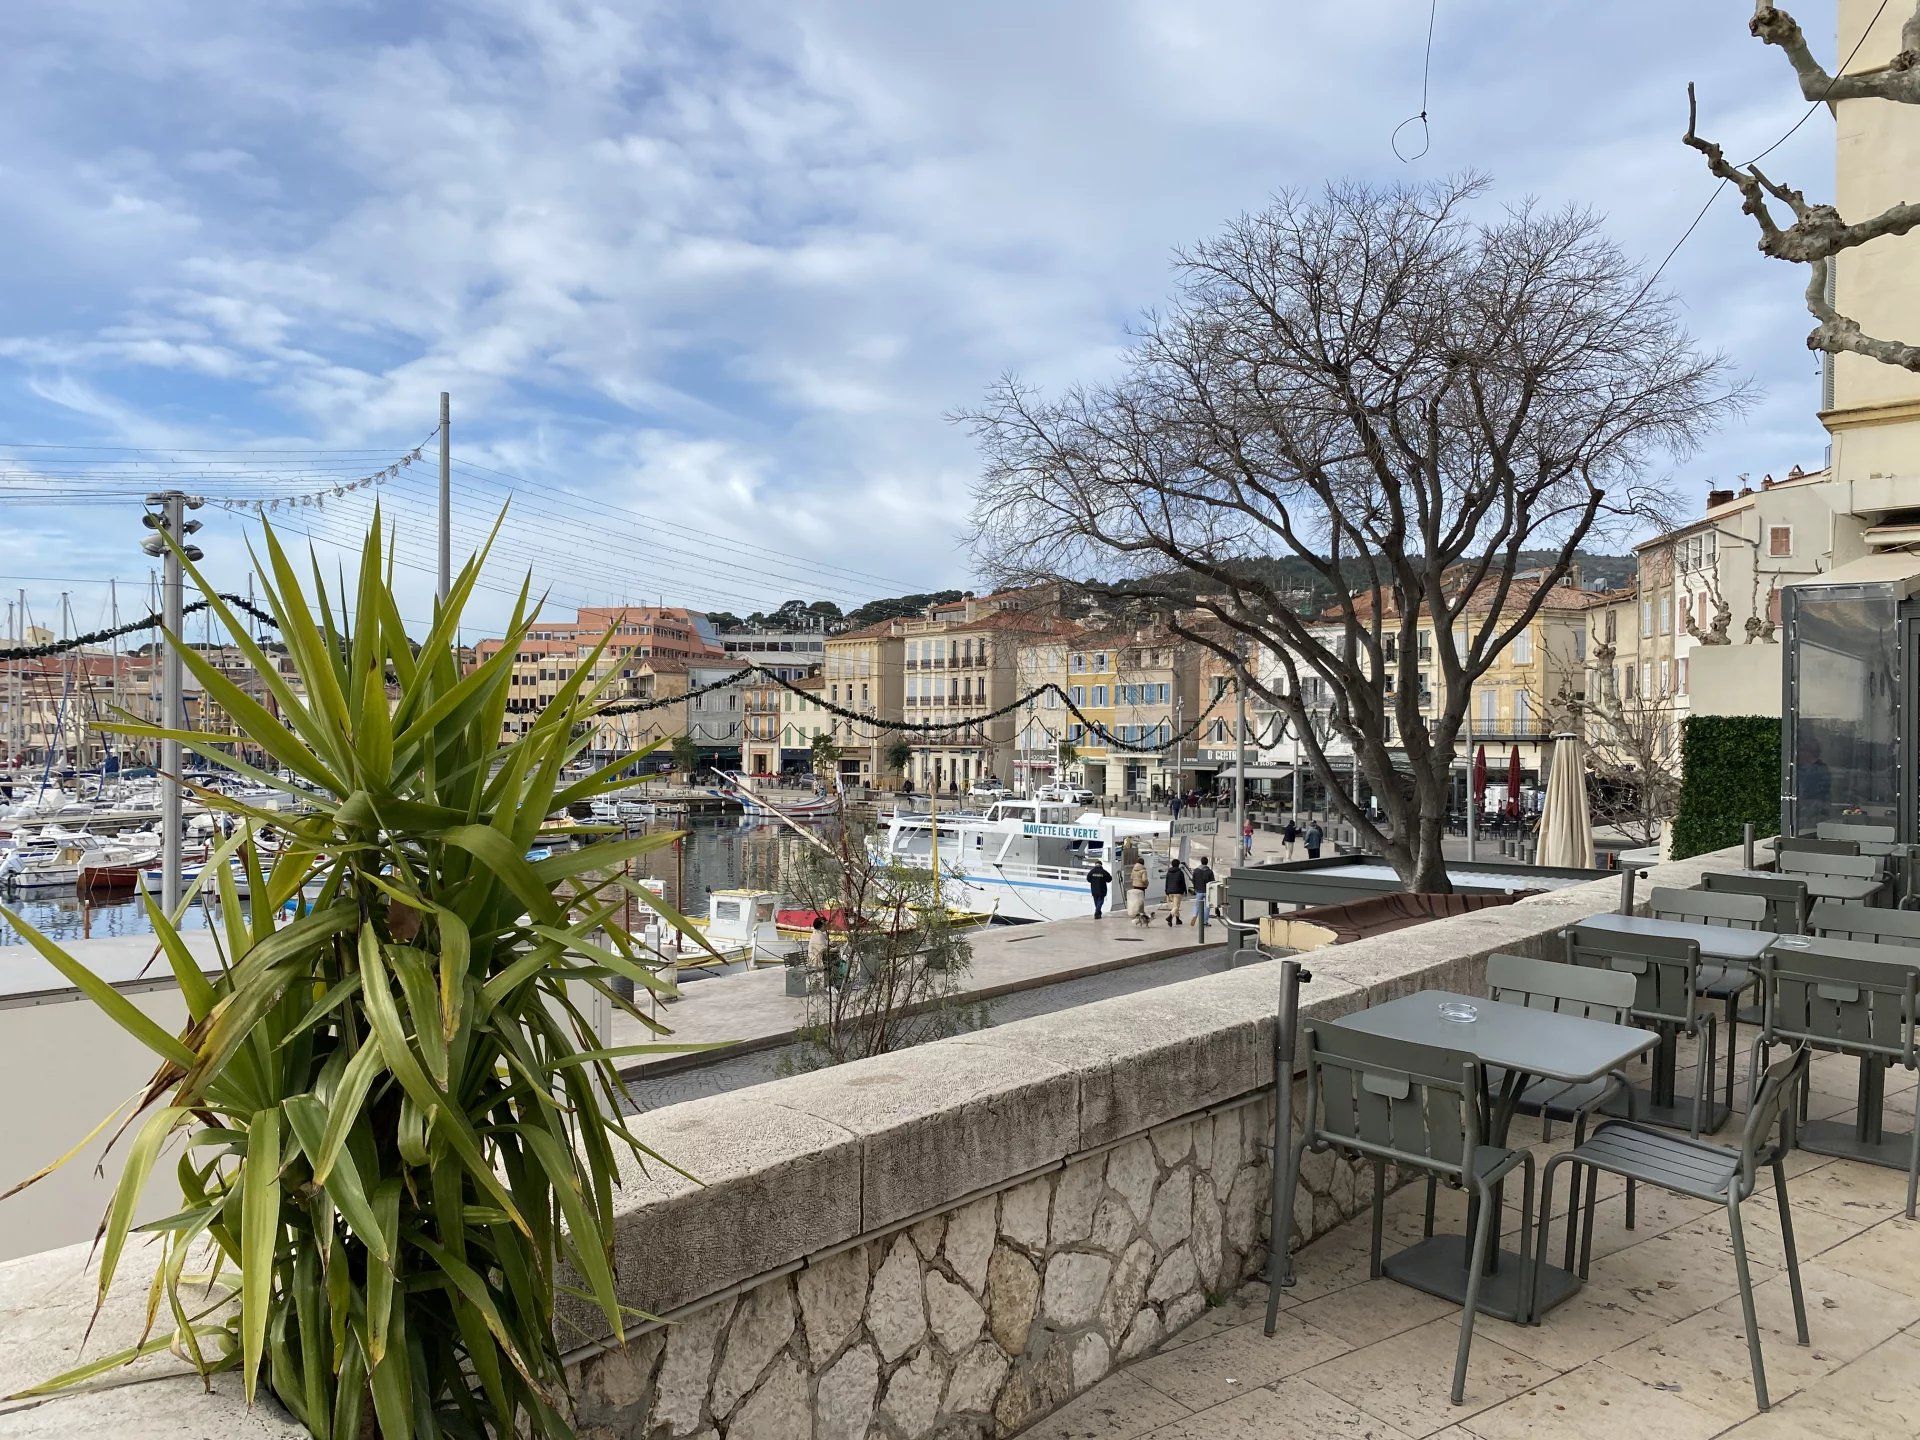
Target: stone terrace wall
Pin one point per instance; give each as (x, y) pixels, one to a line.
(949, 1241)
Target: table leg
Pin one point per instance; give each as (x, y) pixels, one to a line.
(1438, 1264)
(1867, 1137)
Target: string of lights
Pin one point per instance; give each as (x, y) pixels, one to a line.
(317, 499)
(150, 622)
(1095, 728)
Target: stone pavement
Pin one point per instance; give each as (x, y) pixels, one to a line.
(1653, 1345)
(752, 1010)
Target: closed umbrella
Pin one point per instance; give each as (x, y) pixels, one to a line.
(1513, 783)
(1566, 825)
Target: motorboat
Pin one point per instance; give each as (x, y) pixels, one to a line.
(740, 925)
(1028, 859)
(115, 866)
(740, 788)
(43, 867)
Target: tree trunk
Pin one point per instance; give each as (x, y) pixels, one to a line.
(1429, 854)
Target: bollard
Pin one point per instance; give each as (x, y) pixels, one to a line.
(1746, 846)
(1280, 1208)
(1627, 872)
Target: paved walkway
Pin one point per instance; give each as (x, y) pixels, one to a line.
(736, 1071)
(1653, 1346)
(752, 1010)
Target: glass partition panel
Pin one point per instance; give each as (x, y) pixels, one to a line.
(1842, 725)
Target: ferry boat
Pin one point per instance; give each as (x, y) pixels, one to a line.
(1028, 859)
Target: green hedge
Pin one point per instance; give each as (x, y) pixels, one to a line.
(1730, 774)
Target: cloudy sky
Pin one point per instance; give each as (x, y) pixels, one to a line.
(728, 267)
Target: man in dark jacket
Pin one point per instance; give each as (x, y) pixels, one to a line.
(1314, 837)
(1098, 879)
(1176, 886)
(1202, 882)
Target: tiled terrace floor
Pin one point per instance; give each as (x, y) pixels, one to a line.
(1652, 1346)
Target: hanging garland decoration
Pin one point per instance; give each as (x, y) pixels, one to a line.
(151, 622)
(317, 499)
(922, 727)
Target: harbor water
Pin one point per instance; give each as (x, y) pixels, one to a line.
(714, 854)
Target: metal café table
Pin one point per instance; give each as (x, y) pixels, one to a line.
(1855, 888)
(1728, 948)
(1526, 1044)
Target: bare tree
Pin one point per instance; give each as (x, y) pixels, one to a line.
(1398, 397)
(1817, 233)
(897, 959)
(1633, 763)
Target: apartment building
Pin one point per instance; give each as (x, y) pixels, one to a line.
(715, 712)
(1517, 704)
(961, 664)
(759, 727)
(864, 670)
(637, 637)
(790, 654)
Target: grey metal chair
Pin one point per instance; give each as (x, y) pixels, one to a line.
(1591, 994)
(1828, 996)
(1722, 980)
(1724, 1174)
(1862, 835)
(1666, 974)
(1786, 897)
(1839, 920)
(1808, 862)
(1806, 845)
(1419, 1108)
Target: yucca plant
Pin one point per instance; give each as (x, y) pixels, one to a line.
(396, 1128)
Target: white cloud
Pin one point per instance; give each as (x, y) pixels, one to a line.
(736, 264)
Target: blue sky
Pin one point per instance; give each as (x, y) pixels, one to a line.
(731, 267)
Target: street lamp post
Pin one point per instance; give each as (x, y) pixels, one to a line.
(170, 519)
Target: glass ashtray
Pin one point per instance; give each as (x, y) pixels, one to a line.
(1459, 1011)
(1792, 942)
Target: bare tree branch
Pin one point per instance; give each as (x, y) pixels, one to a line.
(1816, 232)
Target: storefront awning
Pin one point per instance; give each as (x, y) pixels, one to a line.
(1898, 568)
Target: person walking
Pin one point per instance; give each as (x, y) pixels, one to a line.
(1289, 833)
(1246, 842)
(1202, 882)
(1176, 891)
(1176, 807)
(1315, 837)
(1098, 879)
(817, 950)
(1137, 893)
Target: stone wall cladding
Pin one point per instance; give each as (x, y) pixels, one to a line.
(978, 1322)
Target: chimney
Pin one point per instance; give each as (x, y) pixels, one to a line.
(1795, 473)
(1717, 498)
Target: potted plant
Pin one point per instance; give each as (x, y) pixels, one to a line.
(395, 1142)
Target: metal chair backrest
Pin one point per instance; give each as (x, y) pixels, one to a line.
(1786, 897)
(1665, 971)
(1416, 1105)
(1840, 920)
(1583, 990)
(1767, 1134)
(1700, 907)
(1859, 834)
(1852, 867)
(1804, 845)
(1855, 998)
